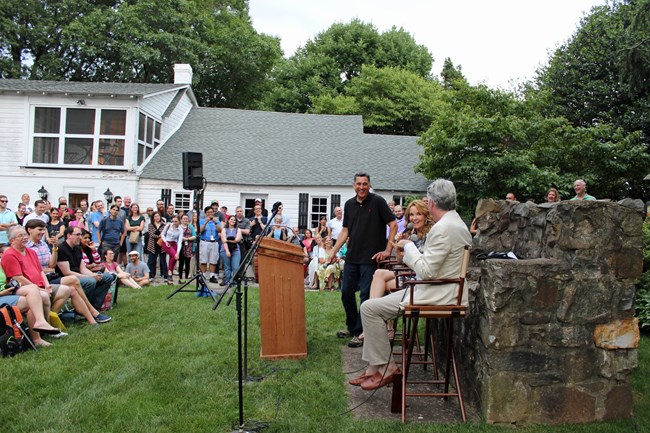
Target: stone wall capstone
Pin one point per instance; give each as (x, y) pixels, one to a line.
(551, 338)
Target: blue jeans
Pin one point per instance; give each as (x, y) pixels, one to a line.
(230, 264)
(356, 277)
(134, 247)
(96, 290)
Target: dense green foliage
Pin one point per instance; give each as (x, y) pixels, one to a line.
(139, 41)
(643, 288)
(326, 65)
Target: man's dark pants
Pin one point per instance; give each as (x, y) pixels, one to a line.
(355, 278)
(96, 290)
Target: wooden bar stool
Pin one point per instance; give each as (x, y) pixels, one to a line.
(447, 314)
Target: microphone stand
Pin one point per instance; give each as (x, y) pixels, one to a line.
(242, 343)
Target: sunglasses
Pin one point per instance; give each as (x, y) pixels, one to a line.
(4, 201)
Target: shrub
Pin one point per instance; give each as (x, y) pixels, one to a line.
(643, 288)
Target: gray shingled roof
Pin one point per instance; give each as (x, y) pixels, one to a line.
(269, 148)
(77, 88)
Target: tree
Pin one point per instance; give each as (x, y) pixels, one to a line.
(139, 41)
(391, 100)
(326, 65)
(489, 142)
(583, 80)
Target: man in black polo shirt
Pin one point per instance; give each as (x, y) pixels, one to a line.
(69, 262)
(365, 218)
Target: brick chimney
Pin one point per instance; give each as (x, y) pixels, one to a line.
(182, 73)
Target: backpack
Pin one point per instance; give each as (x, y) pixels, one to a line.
(13, 337)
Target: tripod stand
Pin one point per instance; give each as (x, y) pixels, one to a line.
(201, 286)
(242, 341)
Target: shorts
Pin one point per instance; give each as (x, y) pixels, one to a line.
(55, 288)
(10, 299)
(209, 252)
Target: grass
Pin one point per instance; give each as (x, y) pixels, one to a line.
(171, 366)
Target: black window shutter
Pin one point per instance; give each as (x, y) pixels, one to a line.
(336, 202)
(303, 214)
(166, 196)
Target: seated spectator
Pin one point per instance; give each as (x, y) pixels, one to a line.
(442, 257)
(138, 270)
(580, 187)
(47, 259)
(30, 300)
(90, 255)
(70, 262)
(124, 278)
(21, 264)
(316, 252)
(322, 230)
(329, 267)
(552, 196)
(278, 230)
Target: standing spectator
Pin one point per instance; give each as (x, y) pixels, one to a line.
(55, 227)
(148, 217)
(172, 240)
(335, 225)
(244, 225)
(209, 227)
(160, 208)
(224, 211)
(83, 204)
(552, 196)
(580, 187)
(258, 222)
(79, 219)
(134, 224)
(322, 230)
(153, 248)
(187, 249)
(511, 196)
(39, 212)
(25, 199)
(217, 212)
(126, 205)
(21, 213)
(398, 210)
(64, 213)
(111, 232)
(286, 220)
(122, 215)
(7, 219)
(230, 252)
(365, 218)
(264, 212)
(169, 213)
(96, 217)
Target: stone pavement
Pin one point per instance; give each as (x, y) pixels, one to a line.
(366, 405)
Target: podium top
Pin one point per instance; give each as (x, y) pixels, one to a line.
(281, 249)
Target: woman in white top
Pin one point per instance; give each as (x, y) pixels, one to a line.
(172, 240)
(317, 251)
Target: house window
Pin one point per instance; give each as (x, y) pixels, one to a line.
(148, 136)
(79, 137)
(183, 201)
(318, 210)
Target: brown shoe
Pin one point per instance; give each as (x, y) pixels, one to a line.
(376, 381)
(359, 380)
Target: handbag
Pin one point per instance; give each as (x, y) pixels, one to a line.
(134, 237)
(159, 241)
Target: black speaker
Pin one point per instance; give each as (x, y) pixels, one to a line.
(192, 170)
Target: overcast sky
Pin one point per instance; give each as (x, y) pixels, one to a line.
(496, 42)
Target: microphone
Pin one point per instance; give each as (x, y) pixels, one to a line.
(408, 228)
(276, 206)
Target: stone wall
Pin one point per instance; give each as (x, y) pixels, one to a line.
(551, 338)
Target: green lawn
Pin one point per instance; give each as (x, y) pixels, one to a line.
(171, 366)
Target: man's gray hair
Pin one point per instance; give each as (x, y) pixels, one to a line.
(13, 231)
(443, 193)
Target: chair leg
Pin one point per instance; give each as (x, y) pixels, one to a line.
(410, 331)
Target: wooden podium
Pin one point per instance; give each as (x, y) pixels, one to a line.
(282, 300)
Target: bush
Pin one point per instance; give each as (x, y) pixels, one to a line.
(643, 288)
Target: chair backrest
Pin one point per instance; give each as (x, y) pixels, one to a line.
(460, 281)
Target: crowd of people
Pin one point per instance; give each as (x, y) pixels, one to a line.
(52, 254)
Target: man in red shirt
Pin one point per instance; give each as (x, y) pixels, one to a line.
(21, 264)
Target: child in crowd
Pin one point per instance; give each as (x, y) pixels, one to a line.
(111, 266)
